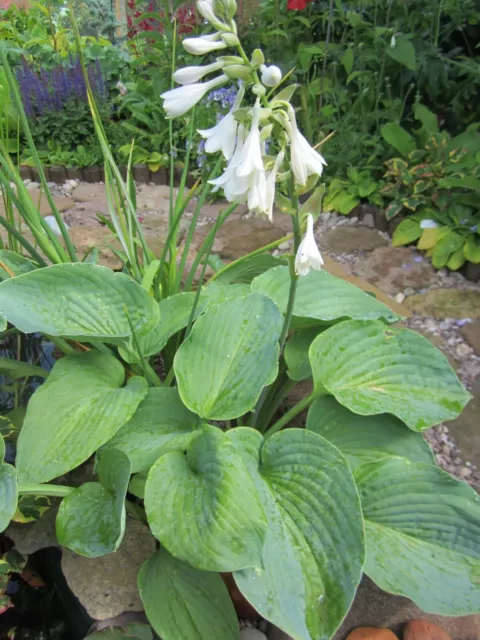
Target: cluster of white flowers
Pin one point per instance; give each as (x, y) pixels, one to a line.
(250, 175)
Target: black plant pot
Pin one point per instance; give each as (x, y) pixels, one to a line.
(58, 174)
(92, 174)
(74, 173)
(159, 176)
(25, 172)
(141, 173)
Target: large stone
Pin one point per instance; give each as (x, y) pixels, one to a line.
(371, 633)
(40, 201)
(471, 333)
(101, 238)
(107, 586)
(465, 432)
(376, 608)
(155, 198)
(94, 193)
(33, 536)
(85, 214)
(336, 269)
(446, 303)
(393, 269)
(345, 239)
(238, 236)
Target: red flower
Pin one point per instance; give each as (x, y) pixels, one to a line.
(297, 5)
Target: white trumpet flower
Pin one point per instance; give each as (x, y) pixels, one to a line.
(271, 75)
(308, 256)
(223, 136)
(270, 185)
(203, 44)
(188, 75)
(305, 160)
(180, 100)
(251, 159)
(234, 187)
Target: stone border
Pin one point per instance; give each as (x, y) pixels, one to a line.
(376, 215)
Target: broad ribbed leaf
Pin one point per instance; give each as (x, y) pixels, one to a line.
(423, 535)
(372, 369)
(204, 508)
(296, 353)
(321, 296)
(91, 520)
(8, 494)
(230, 355)
(365, 438)
(314, 549)
(80, 407)
(80, 300)
(249, 268)
(175, 314)
(15, 264)
(184, 603)
(162, 423)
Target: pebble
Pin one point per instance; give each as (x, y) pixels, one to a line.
(463, 350)
(26, 182)
(284, 246)
(442, 273)
(368, 220)
(32, 186)
(422, 629)
(400, 297)
(409, 291)
(371, 633)
(249, 633)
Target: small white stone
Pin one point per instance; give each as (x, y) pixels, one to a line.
(27, 181)
(463, 350)
(443, 273)
(73, 183)
(284, 246)
(368, 220)
(32, 186)
(51, 185)
(400, 297)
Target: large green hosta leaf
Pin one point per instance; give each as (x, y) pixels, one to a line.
(79, 408)
(321, 296)
(80, 300)
(162, 423)
(314, 549)
(365, 438)
(15, 264)
(296, 353)
(8, 494)
(184, 603)
(175, 314)
(372, 369)
(91, 520)
(203, 506)
(230, 355)
(423, 534)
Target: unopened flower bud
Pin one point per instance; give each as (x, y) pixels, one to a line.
(237, 71)
(257, 58)
(230, 39)
(271, 75)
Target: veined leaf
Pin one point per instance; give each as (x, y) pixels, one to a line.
(91, 520)
(129, 632)
(407, 231)
(372, 369)
(296, 353)
(79, 408)
(184, 603)
(229, 356)
(8, 494)
(196, 510)
(78, 300)
(162, 423)
(249, 269)
(321, 296)
(403, 52)
(423, 535)
(400, 139)
(17, 369)
(365, 438)
(15, 263)
(314, 549)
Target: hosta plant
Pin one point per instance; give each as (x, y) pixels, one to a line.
(177, 394)
(437, 183)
